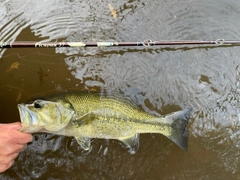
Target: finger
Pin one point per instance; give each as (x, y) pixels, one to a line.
(19, 148)
(12, 156)
(10, 164)
(4, 167)
(22, 138)
(11, 126)
(15, 148)
(7, 159)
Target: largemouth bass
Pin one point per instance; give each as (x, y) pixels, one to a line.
(93, 115)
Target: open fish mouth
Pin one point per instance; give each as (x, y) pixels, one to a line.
(26, 115)
(28, 119)
(22, 111)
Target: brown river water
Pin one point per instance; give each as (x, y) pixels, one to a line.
(160, 79)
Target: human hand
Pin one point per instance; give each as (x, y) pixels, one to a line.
(12, 142)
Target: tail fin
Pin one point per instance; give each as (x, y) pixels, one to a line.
(179, 123)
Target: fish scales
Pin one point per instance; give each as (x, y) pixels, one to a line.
(126, 109)
(92, 102)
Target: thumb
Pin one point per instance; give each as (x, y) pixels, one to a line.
(11, 126)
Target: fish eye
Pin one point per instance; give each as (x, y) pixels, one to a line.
(37, 105)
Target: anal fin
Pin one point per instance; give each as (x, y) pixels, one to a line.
(132, 143)
(84, 142)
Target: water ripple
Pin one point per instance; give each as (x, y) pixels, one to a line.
(159, 80)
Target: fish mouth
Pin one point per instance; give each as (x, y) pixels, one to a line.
(22, 111)
(28, 118)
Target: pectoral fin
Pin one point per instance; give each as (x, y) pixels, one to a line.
(84, 142)
(132, 143)
(84, 119)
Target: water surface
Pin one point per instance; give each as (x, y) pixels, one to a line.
(159, 79)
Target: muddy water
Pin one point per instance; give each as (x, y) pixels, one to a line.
(160, 79)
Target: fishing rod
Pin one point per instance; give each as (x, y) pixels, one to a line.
(147, 43)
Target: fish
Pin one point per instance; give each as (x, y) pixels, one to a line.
(88, 115)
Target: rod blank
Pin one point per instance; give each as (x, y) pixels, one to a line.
(146, 43)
